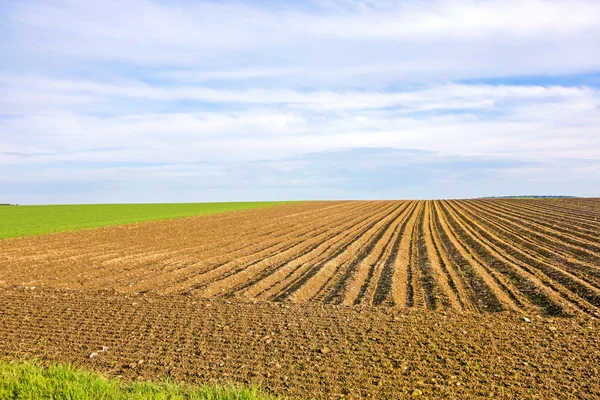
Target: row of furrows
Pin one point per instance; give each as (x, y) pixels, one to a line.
(346, 263)
(315, 279)
(390, 289)
(543, 284)
(574, 209)
(224, 248)
(526, 288)
(578, 247)
(448, 291)
(430, 278)
(561, 226)
(289, 275)
(324, 255)
(379, 259)
(245, 276)
(556, 218)
(358, 269)
(580, 208)
(102, 247)
(567, 217)
(48, 246)
(540, 246)
(201, 278)
(351, 268)
(145, 267)
(558, 272)
(178, 235)
(477, 255)
(485, 289)
(273, 282)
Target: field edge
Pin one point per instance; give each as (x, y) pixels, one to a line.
(34, 379)
(27, 221)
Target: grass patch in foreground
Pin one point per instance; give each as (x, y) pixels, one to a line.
(32, 381)
(19, 221)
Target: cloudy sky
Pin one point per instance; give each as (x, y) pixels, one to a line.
(160, 101)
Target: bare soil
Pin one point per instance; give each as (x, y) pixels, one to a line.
(451, 299)
(306, 350)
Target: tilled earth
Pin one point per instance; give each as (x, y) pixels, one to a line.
(382, 299)
(306, 350)
(539, 257)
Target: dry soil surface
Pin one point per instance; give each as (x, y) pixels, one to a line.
(306, 350)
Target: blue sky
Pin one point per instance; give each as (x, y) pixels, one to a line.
(156, 101)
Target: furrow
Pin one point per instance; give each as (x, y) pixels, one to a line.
(393, 287)
(458, 287)
(369, 289)
(560, 280)
(355, 285)
(179, 276)
(577, 225)
(331, 290)
(533, 287)
(275, 284)
(489, 292)
(200, 282)
(418, 294)
(434, 281)
(590, 246)
(539, 247)
(307, 284)
(242, 277)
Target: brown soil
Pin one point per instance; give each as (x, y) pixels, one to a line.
(324, 299)
(485, 255)
(306, 350)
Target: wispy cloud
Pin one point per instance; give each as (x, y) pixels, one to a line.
(260, 84)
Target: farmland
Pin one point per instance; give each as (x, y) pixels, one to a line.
(357, 298)
(483, 256)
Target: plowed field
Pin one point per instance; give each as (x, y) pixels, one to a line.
(455, 299)
(539, 256)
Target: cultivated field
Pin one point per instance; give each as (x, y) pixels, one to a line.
(384, 299)
(539, 256)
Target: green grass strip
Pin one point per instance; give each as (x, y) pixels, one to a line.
(32, 381)
(19, 221)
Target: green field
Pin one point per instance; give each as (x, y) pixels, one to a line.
(31, 381)
(19, 221)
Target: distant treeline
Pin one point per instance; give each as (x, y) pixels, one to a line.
(529, 197)
(6, 204)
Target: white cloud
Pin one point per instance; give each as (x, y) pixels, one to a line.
(133, 81)
(534, 121)
(445, 96)
(401, 42)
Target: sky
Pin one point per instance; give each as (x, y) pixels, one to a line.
(189, 101)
